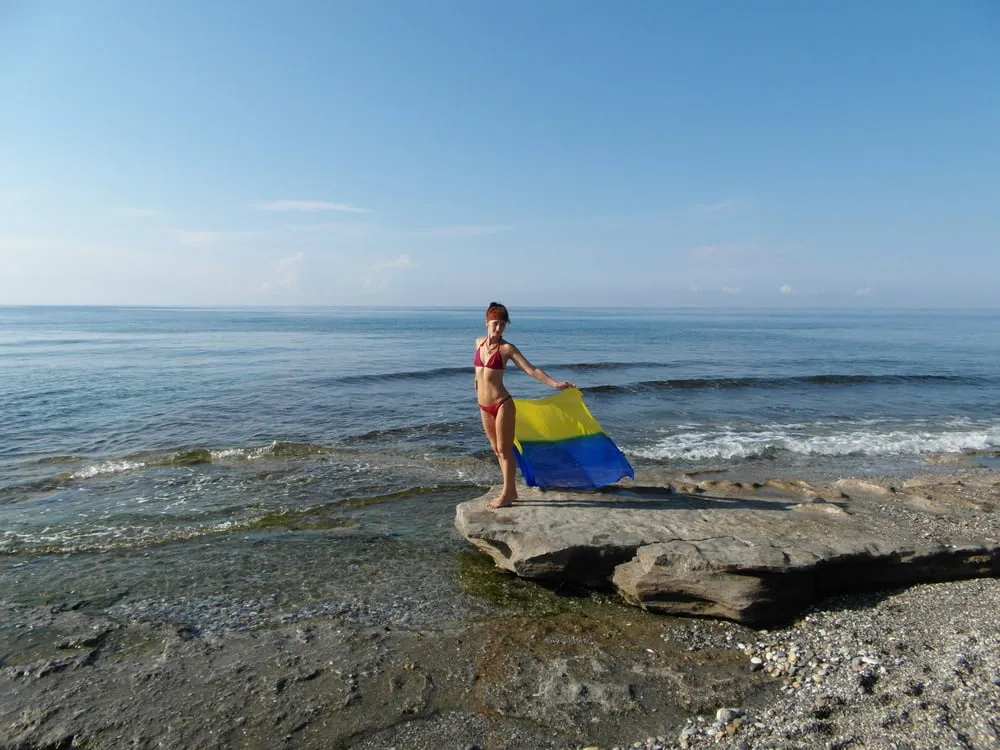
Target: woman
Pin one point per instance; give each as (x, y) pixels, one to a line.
(496, 405)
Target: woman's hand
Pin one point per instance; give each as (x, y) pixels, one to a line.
(562, 386)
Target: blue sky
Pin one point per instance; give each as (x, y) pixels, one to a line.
(744, 153)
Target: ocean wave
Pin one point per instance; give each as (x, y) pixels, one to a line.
(107, 468)
(139, 461)
(409, 492)
(607, 365)
(789, 382)
(60, 460)
(282, 451)
(276, 449)
(15, 493)
(392, 377)
(419, 431)
(17, 343)
(771, 443)
(68, 539)
(147, 530)
(196, 456)
(446, 372)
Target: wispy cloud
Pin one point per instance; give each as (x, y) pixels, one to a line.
(463, 231)
(313, 207)
(195, 238)
(730, 290)
(786, 289)
(864, 292)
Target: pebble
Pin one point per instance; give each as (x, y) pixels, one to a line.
(844, 678)
(726, 715)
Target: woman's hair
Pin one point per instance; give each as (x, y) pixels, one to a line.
(496, 311)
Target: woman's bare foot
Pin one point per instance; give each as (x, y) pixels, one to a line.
(502, 502)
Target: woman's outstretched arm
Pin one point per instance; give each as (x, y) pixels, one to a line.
(537, 372)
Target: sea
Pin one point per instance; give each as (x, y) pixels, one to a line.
(238, 467)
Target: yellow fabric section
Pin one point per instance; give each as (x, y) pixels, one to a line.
(559, 417)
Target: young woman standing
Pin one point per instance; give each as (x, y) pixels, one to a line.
(496, 405)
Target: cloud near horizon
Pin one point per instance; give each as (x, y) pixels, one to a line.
(382, 274)
(403, 261)
(313, 207)
(786, 289)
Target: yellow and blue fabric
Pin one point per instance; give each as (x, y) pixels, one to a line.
(558, 443)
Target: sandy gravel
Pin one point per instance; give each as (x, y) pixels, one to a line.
(918, 668)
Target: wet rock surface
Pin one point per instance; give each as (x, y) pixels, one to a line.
(757, 553)
(543, 671)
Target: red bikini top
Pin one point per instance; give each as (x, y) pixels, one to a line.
(495, 362)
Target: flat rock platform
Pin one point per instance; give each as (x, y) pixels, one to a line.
(758, 553)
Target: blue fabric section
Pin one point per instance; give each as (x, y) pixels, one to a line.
(578, 463)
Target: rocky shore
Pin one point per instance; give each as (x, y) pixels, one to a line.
(486, 660)
(753, 552)
(909, 669)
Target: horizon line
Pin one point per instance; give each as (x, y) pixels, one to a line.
(126, 306)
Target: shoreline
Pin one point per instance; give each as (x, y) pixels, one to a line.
(497, 663)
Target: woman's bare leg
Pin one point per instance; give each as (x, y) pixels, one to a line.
(490, 428)
(505, 452)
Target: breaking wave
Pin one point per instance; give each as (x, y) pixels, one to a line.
(435, 430)
(790, 382)
(195, 456)
(774, 441)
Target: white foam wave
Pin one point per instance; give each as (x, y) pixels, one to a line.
(94, 539)
(237, 454)
(728, 444)
(106, 468)
(274, 449)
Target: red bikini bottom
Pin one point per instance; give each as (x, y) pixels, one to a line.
(494, 409)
